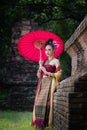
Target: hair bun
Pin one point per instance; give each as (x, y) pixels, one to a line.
(50, 42)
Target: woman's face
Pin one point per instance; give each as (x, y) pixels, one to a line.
(49, 50)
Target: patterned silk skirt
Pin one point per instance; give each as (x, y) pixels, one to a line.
(42, 107)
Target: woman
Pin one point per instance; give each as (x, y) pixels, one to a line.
(49, 74)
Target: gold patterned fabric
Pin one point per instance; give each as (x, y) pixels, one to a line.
(43, 105)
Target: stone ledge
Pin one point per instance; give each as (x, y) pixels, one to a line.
(77, 33)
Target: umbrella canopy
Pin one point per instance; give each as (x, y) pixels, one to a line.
(31, 45)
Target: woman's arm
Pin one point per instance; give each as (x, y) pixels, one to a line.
(39, 69)
(38, 73)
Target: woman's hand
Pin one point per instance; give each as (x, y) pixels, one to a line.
(43, 69)
(40, 63)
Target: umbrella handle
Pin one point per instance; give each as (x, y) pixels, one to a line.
(40, 58)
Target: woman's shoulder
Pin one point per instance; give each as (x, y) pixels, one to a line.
(57, 62)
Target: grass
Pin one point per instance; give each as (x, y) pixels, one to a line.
(11, 120)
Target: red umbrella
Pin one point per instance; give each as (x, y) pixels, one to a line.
(31, 45)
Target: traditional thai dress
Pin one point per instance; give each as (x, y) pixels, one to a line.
(43, 105)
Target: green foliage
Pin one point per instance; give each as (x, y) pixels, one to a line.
(65, 62)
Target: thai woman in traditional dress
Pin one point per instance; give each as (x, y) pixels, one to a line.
(49, 74)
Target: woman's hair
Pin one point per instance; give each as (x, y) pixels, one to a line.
(50, 43)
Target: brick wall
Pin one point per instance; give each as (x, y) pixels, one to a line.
(19, 75)
(70, 98)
